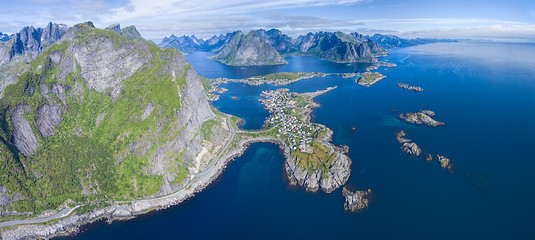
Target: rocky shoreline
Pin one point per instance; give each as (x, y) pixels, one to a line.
(407, 146)
(410, 88)
(369, 78)
(126, 210)
(356, 201)
(421, 117)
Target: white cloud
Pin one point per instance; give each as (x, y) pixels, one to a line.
(510, 32)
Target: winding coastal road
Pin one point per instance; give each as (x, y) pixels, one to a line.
(61, 214)
(67, 211)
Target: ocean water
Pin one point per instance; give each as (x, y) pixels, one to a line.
(485, 94)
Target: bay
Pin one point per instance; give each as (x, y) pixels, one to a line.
(485, 94)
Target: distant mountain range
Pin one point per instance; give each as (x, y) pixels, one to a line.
(261, 47)
(392, 41)
(5, 37)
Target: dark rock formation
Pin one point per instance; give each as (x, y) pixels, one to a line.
(248, 49)
(23, 137)
(356, 201)
(411, 148)
(410, 88)
(49, 118)
(407, 145)
(444, 162)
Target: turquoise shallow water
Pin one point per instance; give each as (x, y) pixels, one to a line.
(484, 92)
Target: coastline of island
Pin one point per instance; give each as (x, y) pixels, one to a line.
(68, 222)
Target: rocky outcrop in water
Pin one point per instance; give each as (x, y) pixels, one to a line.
(356, 201)
(407, 145)
(410, 88)
(444, 162)
(411, 148)
(248, 49)
(369, 78)
(421, 117)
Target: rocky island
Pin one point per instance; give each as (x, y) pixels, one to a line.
(356, 201)
(421, 117)
(444, 162)
(407, 146)
(410, 88)
(369, 78)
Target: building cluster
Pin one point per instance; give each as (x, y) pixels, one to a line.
(280, 104)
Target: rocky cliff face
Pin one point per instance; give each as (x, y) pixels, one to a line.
(122, 118)
(16, 53)
(339, 47)
(248, 49)
(315, 178)
(281, 42)
(32, 41)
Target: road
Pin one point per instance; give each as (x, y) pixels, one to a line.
(65, 212)
(61, 214)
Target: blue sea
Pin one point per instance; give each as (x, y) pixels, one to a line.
(483, 92)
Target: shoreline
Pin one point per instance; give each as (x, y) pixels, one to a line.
(71, 224)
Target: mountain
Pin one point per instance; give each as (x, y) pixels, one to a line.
(339, 47)
(184, 43)
(281, 42)
(391, 41)
(32, 40)
(248, 49)
(5, 37)
(129, 32)
(97, 117)
(16, 54)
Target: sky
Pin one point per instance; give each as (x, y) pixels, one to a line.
(502, 20)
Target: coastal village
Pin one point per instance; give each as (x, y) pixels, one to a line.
(284, 113)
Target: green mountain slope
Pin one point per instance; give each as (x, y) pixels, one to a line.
(101, 117)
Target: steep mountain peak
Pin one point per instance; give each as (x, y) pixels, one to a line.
(131, 33)
(115, 27)
(248, 49)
